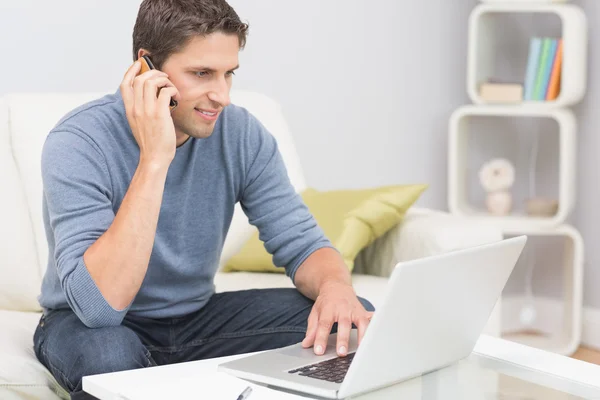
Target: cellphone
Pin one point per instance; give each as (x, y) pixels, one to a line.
(147, 65)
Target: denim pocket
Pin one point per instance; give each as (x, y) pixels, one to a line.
(41, 332)
(38, 338)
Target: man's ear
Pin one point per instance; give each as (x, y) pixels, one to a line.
(142, 52)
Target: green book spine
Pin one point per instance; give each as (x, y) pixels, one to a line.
(539, 76)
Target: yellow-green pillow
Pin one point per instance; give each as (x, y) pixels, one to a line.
(351, 219)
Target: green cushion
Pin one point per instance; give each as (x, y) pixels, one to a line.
(351, 219)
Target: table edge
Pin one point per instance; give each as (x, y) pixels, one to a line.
(578, 371)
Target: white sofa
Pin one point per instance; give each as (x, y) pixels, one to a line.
(25, 120)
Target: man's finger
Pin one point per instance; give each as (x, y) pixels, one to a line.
(311, 329)
(343, 334)
(362, 325)
(131, 73)
(138, 90)
(323, 331)
(164, 98)
(151, 89)
(127, 83)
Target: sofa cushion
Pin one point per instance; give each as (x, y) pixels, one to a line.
(21, 374)
(369, 287)
(28, 134)
(352, 219)
(20, 277)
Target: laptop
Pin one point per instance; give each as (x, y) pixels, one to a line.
(432, 314)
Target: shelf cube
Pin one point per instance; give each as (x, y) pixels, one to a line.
(499, 125)
(558, 303)
(498, 46)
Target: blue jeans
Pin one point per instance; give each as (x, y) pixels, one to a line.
(230, 323)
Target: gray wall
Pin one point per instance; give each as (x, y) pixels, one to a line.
(587, 215)
(367, 86)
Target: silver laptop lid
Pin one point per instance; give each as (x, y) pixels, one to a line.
(433, 312)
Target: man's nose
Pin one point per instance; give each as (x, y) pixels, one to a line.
(220, 93)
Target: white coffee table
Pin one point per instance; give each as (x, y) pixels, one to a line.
(497, 369)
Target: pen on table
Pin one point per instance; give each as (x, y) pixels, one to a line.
(244, 395)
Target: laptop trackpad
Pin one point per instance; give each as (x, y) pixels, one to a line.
(308, 354)
(330, 352)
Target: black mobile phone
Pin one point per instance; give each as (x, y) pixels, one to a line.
(148, 65)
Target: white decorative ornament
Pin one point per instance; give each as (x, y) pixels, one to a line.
(497, 176)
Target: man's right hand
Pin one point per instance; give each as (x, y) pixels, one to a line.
(149, 114)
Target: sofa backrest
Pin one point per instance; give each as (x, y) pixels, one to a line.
(25, 120)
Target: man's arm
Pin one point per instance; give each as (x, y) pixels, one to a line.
(118, 260)
(292, 236)
(101, 283)
(321, 267)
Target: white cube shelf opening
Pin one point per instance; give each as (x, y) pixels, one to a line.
(478, 134)
(542, 303)
(498, 46)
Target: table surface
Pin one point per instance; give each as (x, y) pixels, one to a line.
(497, 369)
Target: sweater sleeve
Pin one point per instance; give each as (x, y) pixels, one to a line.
(77, 193)
(286, 227)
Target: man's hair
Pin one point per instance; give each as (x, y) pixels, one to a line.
(164, 27)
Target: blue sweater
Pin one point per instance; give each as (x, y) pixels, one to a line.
(88, 161)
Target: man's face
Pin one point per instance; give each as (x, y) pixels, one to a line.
(202, 73)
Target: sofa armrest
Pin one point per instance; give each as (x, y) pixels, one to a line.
(423, 232)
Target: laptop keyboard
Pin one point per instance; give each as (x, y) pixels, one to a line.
(333, 370)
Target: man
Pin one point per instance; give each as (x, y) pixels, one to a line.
(137, 204)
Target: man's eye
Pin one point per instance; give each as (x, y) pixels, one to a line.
(201, 73)
(230, 73)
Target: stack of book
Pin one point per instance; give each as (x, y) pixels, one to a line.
(541, 80)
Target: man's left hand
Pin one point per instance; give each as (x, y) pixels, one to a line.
(336, 302)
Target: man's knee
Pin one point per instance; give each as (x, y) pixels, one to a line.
(110, 349)
(72, 355)
(291, 307)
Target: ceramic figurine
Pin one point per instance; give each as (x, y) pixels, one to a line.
(497, 177)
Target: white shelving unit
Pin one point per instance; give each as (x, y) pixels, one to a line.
(459, 149)
(481, 57)
(561, 334)
(486, 37)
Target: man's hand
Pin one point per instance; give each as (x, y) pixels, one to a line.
(336, 302)
(148, 113)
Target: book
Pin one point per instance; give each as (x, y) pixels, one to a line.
(538, 91)
(535, 46)
(547, 69)
(501, 92)
(554, 84)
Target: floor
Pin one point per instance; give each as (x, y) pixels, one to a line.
(587, 354)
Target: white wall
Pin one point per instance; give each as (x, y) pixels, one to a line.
(367, 85)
